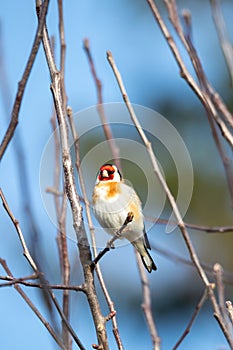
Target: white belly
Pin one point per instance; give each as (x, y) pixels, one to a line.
(112, 214)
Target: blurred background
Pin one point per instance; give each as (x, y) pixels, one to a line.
(152, 80)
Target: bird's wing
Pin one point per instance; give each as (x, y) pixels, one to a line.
(147, 243)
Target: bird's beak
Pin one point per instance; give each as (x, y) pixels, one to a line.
(104, 173)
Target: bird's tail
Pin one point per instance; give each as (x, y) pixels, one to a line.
(147, 260)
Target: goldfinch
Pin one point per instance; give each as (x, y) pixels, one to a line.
(112, 201)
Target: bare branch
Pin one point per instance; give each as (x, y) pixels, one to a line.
(22, 84)
(172, 202)
(223, 35)
(208, 97)
(62, 50)
(36, 270)
(100, 107)
(221, 107)
(19, 232)
(110, 243)
(218, 273)
(174, 17)
(24, 281)
(61, 212)
(33, 307)
(177, 258)
(210, 100)
(208, 229)
(230, 310)
(83, 245)
(204, 98)
(91, 228)
(146, 304)
(194, 316)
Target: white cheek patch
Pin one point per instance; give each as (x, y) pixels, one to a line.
(105, 173)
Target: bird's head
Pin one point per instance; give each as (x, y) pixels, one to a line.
(108, 173)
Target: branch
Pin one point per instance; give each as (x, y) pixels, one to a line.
(223, 36)
(230, 310)
(194, 316)
(205, 100)
(92, 232)
(22, 84)
(218, 274)
(62, 50)
(146, 304)
(172, 202)
(83, 245)
(19, 232)
(210, 111)
(36, 270)
(170, 255)
(100, 107)
(61, 211)
(206, 94)
(33, 307)
(208, 229)
(23, 281)
(174, 17)
(110, 243)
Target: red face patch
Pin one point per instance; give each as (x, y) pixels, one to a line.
(106, 172)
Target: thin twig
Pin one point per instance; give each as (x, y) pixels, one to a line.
(26, 252)
(65, 267)
(21, 173)
(146, 304)
(22, 84)
(36, 270)
(221, 106)
(100, 106)
(57, 168)
(61, 235)
(230, 310)
(33, 307)
(170, 255)
(62, 50)
(207, 97)
(19, 232)
(205, 92)
(171, 199)
(61, 212)
(174, 17)
(218, 274)
(91, 228)
(223, 35)
(208, 229)
(110, 243)
(83, 245)
(24, 281)
(194, 316)
(205, 100)
(64, 319)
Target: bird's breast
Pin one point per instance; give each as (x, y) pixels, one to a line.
(106, 192)
(113, 201)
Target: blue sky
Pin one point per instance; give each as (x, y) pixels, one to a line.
(150, 74)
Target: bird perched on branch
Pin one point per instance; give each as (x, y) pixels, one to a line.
(112, 201)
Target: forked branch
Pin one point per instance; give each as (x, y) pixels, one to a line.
(70, 186)
(172, 202)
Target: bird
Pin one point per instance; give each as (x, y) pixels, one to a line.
(112, 201)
